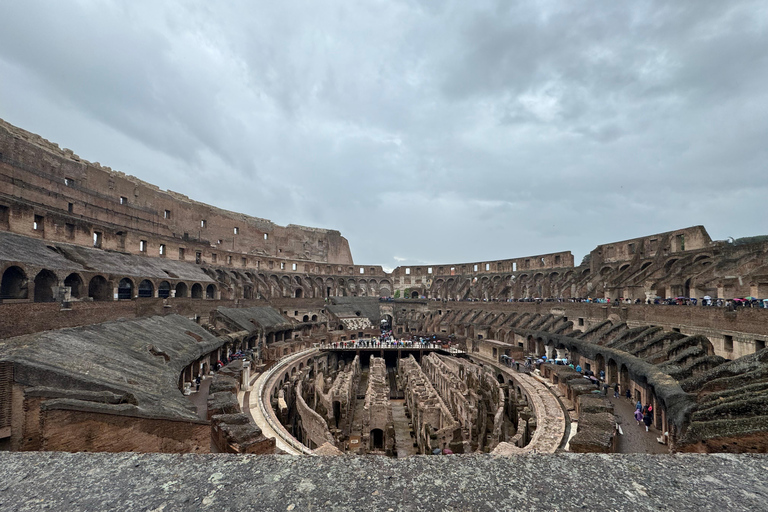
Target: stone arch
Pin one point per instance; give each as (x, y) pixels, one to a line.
(45, 281)
(624, 267)
(146, 289)
(164, 290)
(197, 291)
(99, 289)
(15, 284)
(599, 363)
(210, 291)
(298, 293)
(75, 283)
(624, 380)
(669, 263)
(181, 289)
(314, 318)
(125, 289)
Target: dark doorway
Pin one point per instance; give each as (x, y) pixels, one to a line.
(377, 439)
(181, 290)
(98, 289)
(14, 284)
(44, 283)
(75, 283)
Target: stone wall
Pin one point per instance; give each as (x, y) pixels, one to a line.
(377, 412)
(38, 178)
(433, 423)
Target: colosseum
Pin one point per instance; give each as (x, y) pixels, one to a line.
(138, 320)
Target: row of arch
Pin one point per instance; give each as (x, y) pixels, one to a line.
(249, 285)
(577, 282)
(15, 284)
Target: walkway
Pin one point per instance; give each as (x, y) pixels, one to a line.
(261, 422)
(403, 439)
(635, 439)
(200, 398)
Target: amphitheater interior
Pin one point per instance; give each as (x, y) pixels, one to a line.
(138, 320)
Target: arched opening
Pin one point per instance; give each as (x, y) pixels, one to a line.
(125, 289)
(75, 283)
(14, 284)
(44, 283)
(197, 291)
(624, 378)
(314, 318)
(414, 295)
(299, 293)
(599, 363)
(377, 439)
(98, 289)
(164, 290)
(500, 378)
(386, 322)
(181, 289)
(210, 292)
(146, 289)
(305, 318)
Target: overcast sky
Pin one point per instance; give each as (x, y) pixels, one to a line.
(424, 131)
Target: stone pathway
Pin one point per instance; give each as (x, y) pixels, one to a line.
(200, 398)
(635, 439)
(403, 439)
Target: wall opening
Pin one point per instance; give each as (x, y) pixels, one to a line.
(181, 289)
(98, 289)
(146, 289)
(45, 281)
(125, 289)
(75, 283)
(164, 290)
(377, 439)
(210, 292)
(14, 284)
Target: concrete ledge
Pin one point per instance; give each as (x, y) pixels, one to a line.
(128, 481)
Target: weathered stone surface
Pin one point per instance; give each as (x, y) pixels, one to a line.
(61, 481)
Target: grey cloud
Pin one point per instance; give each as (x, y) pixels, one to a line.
(433, 132)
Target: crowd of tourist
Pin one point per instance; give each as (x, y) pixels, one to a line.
(738, 302)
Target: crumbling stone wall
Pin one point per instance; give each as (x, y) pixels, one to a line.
(433, 424)
(342, 391)
(377, 413)
(474, 397)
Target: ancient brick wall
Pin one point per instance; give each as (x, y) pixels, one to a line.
(73, 431)
(38, 178)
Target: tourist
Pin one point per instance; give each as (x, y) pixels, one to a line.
(638, 405)
(616, 390)
(628, 395)
(647, 420)
(638, 416)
